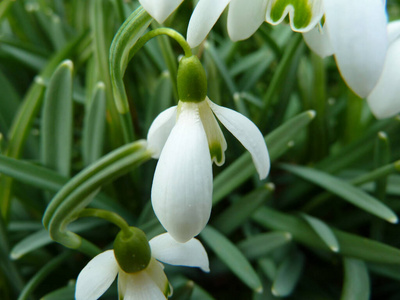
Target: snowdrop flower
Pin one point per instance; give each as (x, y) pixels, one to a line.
(143, 277)
(187, 139)
(384, 99)
(355, 32)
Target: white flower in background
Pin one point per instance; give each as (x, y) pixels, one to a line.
(355, 32)
(149, 283)
(187, 139)
(384, 99)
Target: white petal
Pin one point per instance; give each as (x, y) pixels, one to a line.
(248, 135)
(160, 10)
(191, 253)
(160, 130)
(303, 15)
(358, 34)
(140, 286)
(205, 15)
(244, 18)
(97, 276)
(318, 40)
(384, 100)
(215, 137)
(182, 184)
(393, 29)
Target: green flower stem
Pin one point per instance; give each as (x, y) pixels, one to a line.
(162, 31)
(106, 215)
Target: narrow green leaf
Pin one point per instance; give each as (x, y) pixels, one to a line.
(126, 37)
(56, 126)
(350, 245)
(41, 237)
(94, 126)
(64, 293)
(288, 274)
(260, 245)
(9, 102)
(381, 157)
(232, 257)
(80, 190)
(323, 231)
(243, 168)
(236, 214)
(42, 274)
(356, 280)
(345, 190)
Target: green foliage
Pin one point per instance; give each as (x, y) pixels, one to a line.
(316, 228)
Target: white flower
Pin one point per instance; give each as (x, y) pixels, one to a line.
(384, 99)
(150, 283)
(187, 138)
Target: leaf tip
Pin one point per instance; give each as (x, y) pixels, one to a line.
(67, 64)
(259, 290)
(15, 255)
(270, 186)
(334, 248)
(394, 219)
(288, 236)
(312, 114)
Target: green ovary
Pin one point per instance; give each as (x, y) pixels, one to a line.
(302, 11)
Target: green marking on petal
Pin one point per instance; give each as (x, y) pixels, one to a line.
(302, 12)
(217, 154)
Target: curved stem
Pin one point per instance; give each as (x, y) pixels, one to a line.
(106, 215)
(162, 31)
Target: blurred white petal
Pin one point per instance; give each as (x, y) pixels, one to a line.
(204, 16)
(244, 18)
(191, 253)
(182, 184)
(318, 40)
(140, 286)
(160, 10)
(393, 29)
(302, 16)
(357, 29)
(97, 276)
(215, 137)
(160, 130)
(248, 135)
(384, 99)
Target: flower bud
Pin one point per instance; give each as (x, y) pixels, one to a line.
(132, 251)
(192, 80)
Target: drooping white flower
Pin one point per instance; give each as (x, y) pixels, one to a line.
(355, 32)
(150, 283)
(384, 99)
(187, 139)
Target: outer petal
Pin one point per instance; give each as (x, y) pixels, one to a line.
(140, 286)
(384, 100)
(358, 34)
(205, 15)
(191, 253)
(303, 15)
(318, 40)
(160, 10)
(244, 18)
(160, 130)
(247, 133)
(182, 184)
(97, 276)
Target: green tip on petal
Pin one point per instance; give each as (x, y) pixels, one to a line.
(192, 80)
(132, 250)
